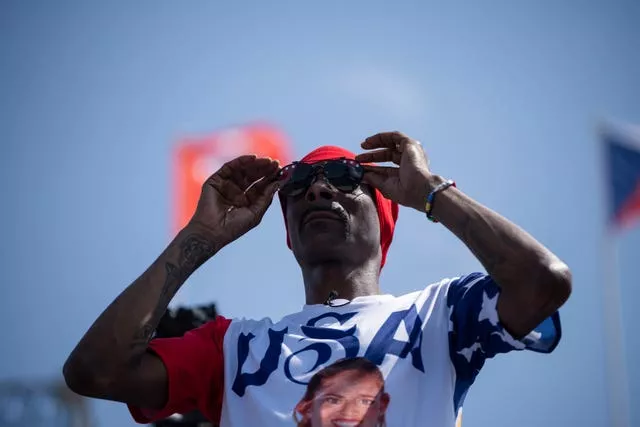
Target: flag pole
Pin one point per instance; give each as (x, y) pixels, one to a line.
(616, 378)
(615, 355)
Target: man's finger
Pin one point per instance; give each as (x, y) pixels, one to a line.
(259, 187)
(382, 181)
(228, 189)
(385, 140)
(260, 168)
(386, 171)
(263, 199)
(380, 156)
(374, 179)
(227, 169)
(245, 170)
(245, 162)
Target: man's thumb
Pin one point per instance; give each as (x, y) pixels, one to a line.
(376, 180)
(263, 201)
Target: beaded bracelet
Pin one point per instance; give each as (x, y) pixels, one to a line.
(428, 207)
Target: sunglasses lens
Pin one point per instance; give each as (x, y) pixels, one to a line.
(295, 178)
(345, 176)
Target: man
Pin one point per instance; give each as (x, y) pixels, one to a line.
(340, 211)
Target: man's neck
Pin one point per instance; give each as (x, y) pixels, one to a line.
(349, 282)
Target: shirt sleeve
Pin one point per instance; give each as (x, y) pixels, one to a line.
(195, 372)
(476, 334)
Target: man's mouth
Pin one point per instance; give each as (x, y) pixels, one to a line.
(323, 214)
(317, 215)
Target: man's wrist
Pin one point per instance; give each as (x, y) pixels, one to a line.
(191, 248)
(431, 181)
(204, 233)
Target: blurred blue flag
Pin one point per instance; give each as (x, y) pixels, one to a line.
(622, 157)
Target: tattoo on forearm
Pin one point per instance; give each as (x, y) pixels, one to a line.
(194, 251)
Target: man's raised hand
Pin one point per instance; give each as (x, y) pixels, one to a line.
(407, 184)
(235, 198)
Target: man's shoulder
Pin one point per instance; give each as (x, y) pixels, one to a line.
(449, 286)
(447, 291)
(431, 289)
(244, 324)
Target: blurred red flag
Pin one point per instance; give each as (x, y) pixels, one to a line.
(196, 158)
(622, 145)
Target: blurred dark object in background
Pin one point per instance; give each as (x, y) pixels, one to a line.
(175, 323)
(45, 404)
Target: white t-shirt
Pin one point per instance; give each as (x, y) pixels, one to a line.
(428, 345)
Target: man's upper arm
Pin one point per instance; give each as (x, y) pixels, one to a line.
(476, 332)
(144, 385)
(522, 308)
(474, 319)
(193, 367)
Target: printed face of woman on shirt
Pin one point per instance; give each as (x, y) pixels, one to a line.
(347, 399)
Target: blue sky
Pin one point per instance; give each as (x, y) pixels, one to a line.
(505, 97)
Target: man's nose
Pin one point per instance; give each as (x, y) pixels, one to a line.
(319, 190)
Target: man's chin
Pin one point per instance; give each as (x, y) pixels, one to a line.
(324, 226)
(327, 245)
(322, 236)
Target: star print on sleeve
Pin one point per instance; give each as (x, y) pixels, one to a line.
(489, 311)
(468, 352)
(476, 334)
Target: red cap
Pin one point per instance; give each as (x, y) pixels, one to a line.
(387, 210)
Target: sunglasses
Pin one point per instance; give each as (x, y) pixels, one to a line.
(343, 174)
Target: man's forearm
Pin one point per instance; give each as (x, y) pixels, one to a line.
(518, 263)
(119, 337)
